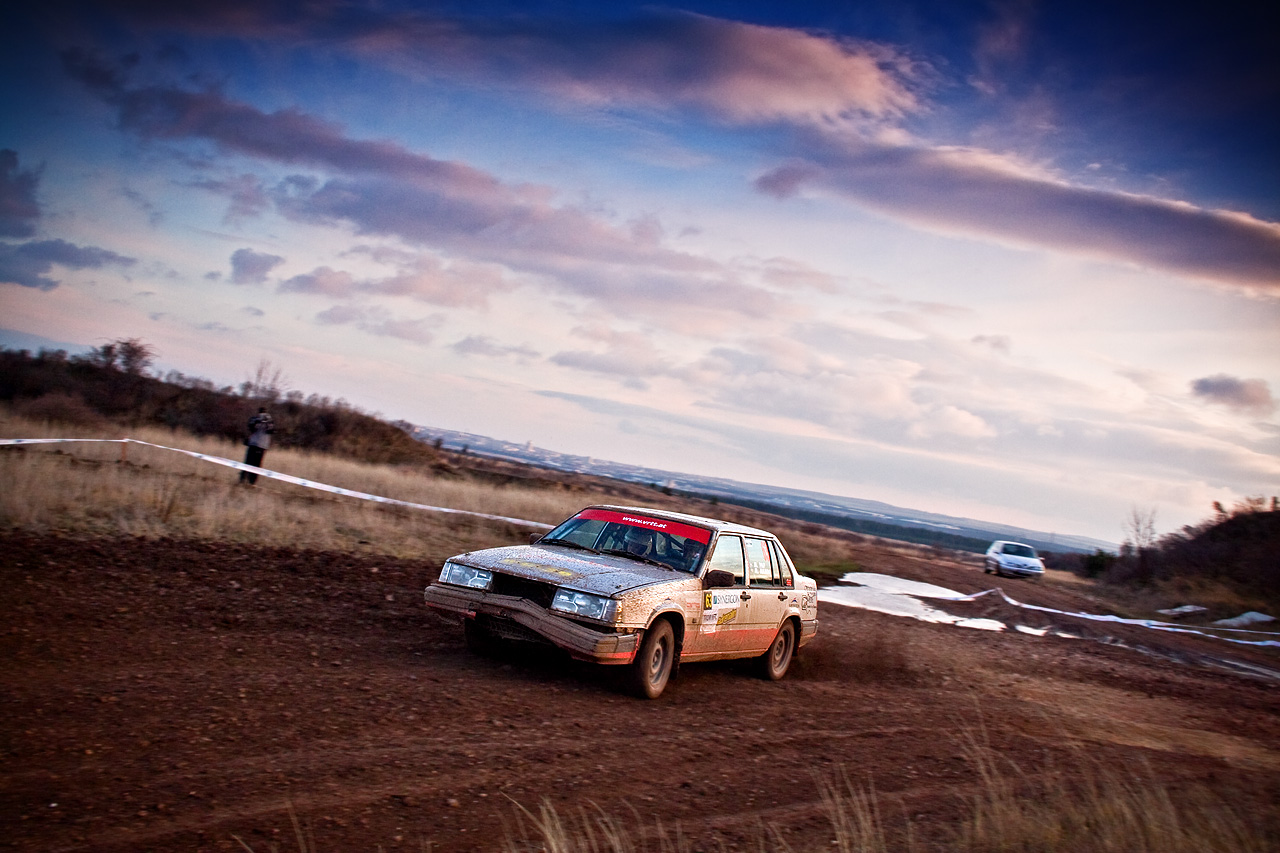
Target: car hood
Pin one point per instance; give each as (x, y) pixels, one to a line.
(603, 574)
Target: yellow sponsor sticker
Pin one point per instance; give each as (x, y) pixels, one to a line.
(726, 617)
(548, 570)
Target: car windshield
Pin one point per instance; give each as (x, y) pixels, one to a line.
(1019, 550)
(641, 537)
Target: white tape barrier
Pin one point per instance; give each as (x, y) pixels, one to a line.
(900, 586)
(1150, 623)
(276, 475)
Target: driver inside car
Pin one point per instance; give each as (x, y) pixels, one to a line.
(639, 542)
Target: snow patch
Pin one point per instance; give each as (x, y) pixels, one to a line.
(1253, 617)
(897, 597)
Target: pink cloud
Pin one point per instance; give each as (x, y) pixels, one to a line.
(740, 72)
(975, 192)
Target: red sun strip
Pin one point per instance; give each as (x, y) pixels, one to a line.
(676, 528)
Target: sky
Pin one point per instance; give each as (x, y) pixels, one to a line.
(1016, 261)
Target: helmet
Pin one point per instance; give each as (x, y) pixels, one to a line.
(638, 541)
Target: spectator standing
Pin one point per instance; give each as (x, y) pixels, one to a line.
(261, 426)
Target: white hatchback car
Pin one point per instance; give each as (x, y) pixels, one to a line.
(1013, 558)
(643, 588)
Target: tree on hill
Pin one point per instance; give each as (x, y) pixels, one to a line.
(111, 383)
(1238, 546)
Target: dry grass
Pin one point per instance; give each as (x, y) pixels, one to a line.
(90, 489)
(1104, 810)
(1222, 600)
(1099, 810)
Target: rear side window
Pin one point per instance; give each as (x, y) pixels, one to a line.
(728, 557)
(762, 569)
(784, 568)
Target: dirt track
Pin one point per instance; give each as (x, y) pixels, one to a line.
(176, 696)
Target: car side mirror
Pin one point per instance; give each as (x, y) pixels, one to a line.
(717, 579)
(534, 538)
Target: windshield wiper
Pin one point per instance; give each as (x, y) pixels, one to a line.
(623, 553)
(568, 543)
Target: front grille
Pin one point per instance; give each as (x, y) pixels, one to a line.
(536, 591)
(509, 629)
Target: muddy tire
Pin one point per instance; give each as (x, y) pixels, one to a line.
(775, 662)
(651, 670)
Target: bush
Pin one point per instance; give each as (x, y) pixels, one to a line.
(59, 408)
(110, 384)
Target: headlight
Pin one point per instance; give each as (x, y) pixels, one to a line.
(465, 576)
(585, 604)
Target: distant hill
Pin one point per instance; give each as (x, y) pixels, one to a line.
(861, 516)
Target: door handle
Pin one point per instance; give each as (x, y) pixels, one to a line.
(746, 596)
(782, 596)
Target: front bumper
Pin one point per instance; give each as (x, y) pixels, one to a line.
(1023, 571)
(578, 640)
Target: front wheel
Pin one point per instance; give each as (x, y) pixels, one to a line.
(651, 669)
(775, 662)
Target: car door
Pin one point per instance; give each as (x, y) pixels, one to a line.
(722, 607)
(764, 601)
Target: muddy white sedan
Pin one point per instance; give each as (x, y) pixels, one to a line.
(640, 588)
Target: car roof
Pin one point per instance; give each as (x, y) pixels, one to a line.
(714, 524)
(1010, 542)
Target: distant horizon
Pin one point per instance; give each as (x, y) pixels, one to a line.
(995, 526)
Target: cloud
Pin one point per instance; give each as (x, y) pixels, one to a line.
(999, 343)
(424, 278)
(458, 284)
(25, 264)
(323, 281)
(340, 315)
(486, 346)
(1250, 396)
(378, 322)
(951, 420)
(385, 189)
(738, 71)
(629, 357)
(788, 274)
(970, 191)
(19, 210)
(250, 267)
(418, 331)
(248, 198)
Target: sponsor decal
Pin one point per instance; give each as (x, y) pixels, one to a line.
(712, 599)
(719, 608)
(540, 567)
(676, 528)
(809, 601)
(646, 522)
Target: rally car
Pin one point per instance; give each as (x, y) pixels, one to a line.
(641, 588)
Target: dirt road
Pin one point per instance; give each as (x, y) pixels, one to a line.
(185, 696)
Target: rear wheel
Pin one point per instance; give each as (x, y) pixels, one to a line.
(775, 662)
(651, 670)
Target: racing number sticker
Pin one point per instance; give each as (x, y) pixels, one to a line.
(719, 608)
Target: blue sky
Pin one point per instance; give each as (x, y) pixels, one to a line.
(1016, 261)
